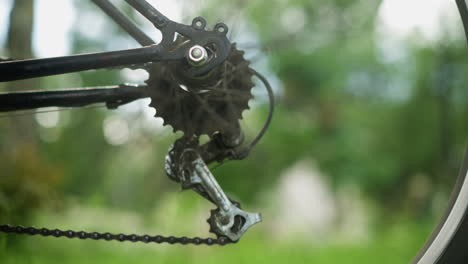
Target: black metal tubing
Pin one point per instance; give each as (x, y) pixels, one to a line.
(113, 96)
(25, 69)
(124, 22)
(32, 68)
(148, 11)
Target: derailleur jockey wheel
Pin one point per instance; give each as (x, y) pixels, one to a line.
(199, 83)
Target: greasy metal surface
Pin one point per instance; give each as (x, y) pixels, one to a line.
(185, 165)
(201, 106)
(228, 220)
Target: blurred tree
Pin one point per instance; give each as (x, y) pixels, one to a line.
(19, 46)
(339, 105)
(348, 108)
(27, 179)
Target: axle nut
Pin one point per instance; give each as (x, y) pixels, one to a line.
(197, 55)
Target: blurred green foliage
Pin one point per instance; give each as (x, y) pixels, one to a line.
(393, 246)
(366, 121)
(341, 107)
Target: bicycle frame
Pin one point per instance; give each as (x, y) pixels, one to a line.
(113, 96)
(190, 170)
(447, 251)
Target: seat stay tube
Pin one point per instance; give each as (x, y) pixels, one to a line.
(32, 68)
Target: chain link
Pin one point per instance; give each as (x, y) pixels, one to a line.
(116, 237)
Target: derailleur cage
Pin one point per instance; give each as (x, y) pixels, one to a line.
(185, 165)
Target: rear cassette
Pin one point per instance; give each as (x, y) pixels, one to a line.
(203, 105)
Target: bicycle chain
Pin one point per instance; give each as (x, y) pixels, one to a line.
(115, 237)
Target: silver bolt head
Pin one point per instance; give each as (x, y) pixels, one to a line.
(197, 55)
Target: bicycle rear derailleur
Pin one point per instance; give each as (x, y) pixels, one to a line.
(185, 164)
(199, 83)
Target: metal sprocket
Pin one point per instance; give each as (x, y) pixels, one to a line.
(204, 105)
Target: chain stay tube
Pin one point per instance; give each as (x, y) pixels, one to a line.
(113, 96)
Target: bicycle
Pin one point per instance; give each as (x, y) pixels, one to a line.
(200, 84)
(187, 161)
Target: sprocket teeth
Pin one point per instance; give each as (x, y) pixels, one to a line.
(201, 113)
(210, 221)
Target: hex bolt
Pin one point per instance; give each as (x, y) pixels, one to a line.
(197, 55)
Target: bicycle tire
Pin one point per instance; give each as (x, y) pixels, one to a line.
(447, 242)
